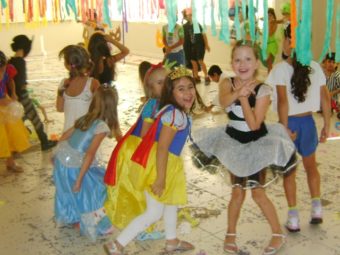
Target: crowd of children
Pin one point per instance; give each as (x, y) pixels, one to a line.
(144, 180)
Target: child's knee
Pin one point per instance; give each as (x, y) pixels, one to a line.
(258, 195)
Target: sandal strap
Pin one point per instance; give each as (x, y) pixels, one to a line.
(111, 248)
(279, 235)
(230, 234)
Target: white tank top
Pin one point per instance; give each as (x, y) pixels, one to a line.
(77, 106)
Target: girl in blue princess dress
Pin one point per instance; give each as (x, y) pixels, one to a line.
(78, 177)
(159, 173)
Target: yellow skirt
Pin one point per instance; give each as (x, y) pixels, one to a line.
(14, 136)
(124, 202)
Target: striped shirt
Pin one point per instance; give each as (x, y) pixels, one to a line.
(333, 83)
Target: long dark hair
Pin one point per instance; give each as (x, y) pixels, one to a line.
(300, 79)
(99, 51)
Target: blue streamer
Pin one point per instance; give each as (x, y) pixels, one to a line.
(305, 54)
(329, 18)
(237, 23)
(223, 12)
(204, 3)
(171, 10)
(337, 43)
(251, 16)
(212, 17)
(71, 4)
(265, 29)
(194, 18)
(106, 13)
(244, 9)
(3, 4)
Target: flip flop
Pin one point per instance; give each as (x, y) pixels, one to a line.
(156, 235)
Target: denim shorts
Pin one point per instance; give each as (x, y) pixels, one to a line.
(178, 57)
(307, 136)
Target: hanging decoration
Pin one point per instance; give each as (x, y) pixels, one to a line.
(194, 17)
(251, 17)
(204, 3)
(329, 19)
(265, 29)
(293, 22)
(3, 4)
(106, 14)
(337, 42)
(304, 54)
(237, 23)
(71, 4)
(223, 13)
(212, 18)
(171, 11)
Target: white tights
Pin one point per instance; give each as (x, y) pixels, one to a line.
(154, 211)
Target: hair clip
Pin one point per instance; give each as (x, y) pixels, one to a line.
(108, 85)
(179, 72)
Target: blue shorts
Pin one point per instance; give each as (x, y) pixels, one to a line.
(178, 57)
(307, 136)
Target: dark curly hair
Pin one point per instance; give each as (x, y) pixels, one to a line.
(300, 79)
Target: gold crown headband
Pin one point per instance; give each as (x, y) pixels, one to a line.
(179, 72)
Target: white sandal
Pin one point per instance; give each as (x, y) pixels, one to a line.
(270, 250)
(234, 248)
(112, 249)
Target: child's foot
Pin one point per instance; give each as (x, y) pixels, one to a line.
(113, 248)
(177, 245)
(275, 244)
(316, 215)
(229, 245)
(15, 168)
(292, 224)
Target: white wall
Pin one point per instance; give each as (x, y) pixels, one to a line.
(141, 40)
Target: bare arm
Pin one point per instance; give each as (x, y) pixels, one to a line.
(254, 118)
(145, 127)
(165, 139)
(60, 97)
(124, 51)
(282, 105)
(94, 85)
(66, 135)
(88, 158)
(226, 94)
(326, 112)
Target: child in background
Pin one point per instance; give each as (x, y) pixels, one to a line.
(247, 147)
(78, 177)
(272, 45)
(142, 69)
(300, 90)
(22, 46)
(37, 104)
(122, 191)
(104, 62)
(13, 133)
(75, 93)
(163, 180)
(173, 44)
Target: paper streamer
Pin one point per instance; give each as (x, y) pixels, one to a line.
(204, 3)
(120, 6)
(337, 42)
(106, 13)
(194, 17)
(329, 19)
(171, 11)
(223, 12)
(265, 29)
(3, 4)
(304, 54)
(293, 23)
(212, 18)
(251, 17)
(71, 4)
(237, 23)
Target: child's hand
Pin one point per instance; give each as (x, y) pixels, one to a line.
(158, 187)
(77, 186)
(291, 134)
(323, 135)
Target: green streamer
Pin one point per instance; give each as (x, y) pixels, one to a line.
(237, 23)
(204, 3)
(106, 13)
(223, 12)
(251, 17)
(194, 17)
(120, 6)
(171, 11)
(244, 9)
(3, 4)
(304, 54)
(337, 43)
(329, 18)
(265, 29)
(212, 17)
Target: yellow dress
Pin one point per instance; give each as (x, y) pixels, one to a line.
(14, 136)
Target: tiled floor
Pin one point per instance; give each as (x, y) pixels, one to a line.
(26, 200)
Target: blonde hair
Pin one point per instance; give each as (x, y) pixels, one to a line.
(147, 85)
(103, 107)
